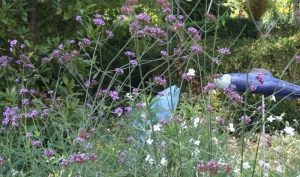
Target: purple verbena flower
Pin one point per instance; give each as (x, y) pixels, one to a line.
(126, 10)
(297, 58)
(109, 34)
(209, 86)
(118, 111)
(119, 71)
(245, 119)
(143, 17)
(177, 26)
(192, 30)
(78, 18)
(114, 95)
(133, 62)
(224, 51)
(98, 21)
(196, 49)
(86, 41)
(130, 54)
(161, 81)
(36, 143)
(78, 158)
(260, 77)
(164, 54)
(48, 152)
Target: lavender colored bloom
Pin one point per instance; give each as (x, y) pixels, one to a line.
(114, 95)
(143, 17)
(161, 81)
(64, 163)
(170, 18)
(297, 58)
(86, 41)
(177, 26)
(78, 18)
(118, 111)
(45, 60)
(260, 77)
(192, 30)
(92, 157)
(224, 51)
(119, 71)
(133, 27)
(4, 60)
(99, 21)
(164, 54)
(25, 101)
(202, 167)
(32, 114)
(61, 46)
(122, 157)
(177, 51)
(155, 32)
(130, 138)
(78, 158)
(109, 33)
(13, 43)
(209, 86)
(1, 160)
(196, 49)
(245, 119)
(121, 17)
(133, 62)
(36, 143)
(89, 145)
(232, 94)
(167, 10)
(29, 65)
(22, 46)
(140, 105)
(126, 10)
(48, 152)
(197, 37)
(128, 109)
(129, 54)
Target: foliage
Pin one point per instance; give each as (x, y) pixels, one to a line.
(256, 8)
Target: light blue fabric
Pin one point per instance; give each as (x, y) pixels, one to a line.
(163, 106)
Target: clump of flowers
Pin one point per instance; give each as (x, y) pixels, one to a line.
(209, 86)
(11, 115)
(232, 94)
(160, 81)
(98, 20)
(143, 17)
(245, 119)
(196, 49)
(189, 75)
(224, 51)
(85, 135)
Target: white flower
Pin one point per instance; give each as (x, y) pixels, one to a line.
(156, 128)
(278, 168)
(289, 131)
(149, 141)
(273, 98)
(271, 118)
(143, 115)
(246, 165)
(197, 142)
(231, 128)
(196, 152)
(263, 164)
(191, 72)
(237, 170)
(196, 121)
(129, 96)
(149, 159)
(279, 118)
(164, 161)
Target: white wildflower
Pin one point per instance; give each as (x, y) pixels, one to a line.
(279, 168)
(156, 128)
(164, 161)
(196, 121)
(197, 142)
(246, 165)
(273, 98)
(149, 141)
(289, 131)
(149, 159)
(191, 72)
(271, 118)
(231, 128)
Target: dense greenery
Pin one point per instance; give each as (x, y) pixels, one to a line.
(78, 80)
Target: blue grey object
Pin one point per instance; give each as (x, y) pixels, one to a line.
(270, 85)
(164, 106)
